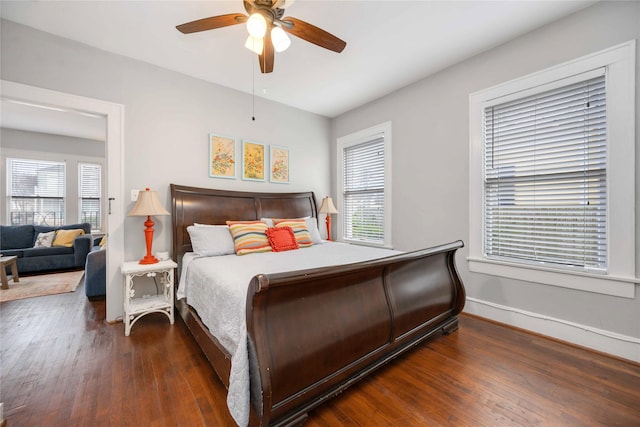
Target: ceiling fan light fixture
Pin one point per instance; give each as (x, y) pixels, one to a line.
(280, 39)
(254, 44)
(257, 25)
(263, 16)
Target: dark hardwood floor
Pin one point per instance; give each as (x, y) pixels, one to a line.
(62, 365)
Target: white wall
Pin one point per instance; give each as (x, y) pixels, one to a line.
(167, 119)
(430, 175)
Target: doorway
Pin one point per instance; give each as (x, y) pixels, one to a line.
(114, 203)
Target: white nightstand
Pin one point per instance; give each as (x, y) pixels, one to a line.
(137, 306)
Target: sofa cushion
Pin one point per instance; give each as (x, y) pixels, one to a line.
(66, 237)
(56, 250)
(16, 236)
(44, 240)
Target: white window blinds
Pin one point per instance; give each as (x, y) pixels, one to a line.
(36, 190)
(545, 177)
(363, 191)
(90, 194)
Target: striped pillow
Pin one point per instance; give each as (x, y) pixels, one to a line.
(249, 236)
(300, 230)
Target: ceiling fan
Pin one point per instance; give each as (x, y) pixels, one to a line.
(267, 29)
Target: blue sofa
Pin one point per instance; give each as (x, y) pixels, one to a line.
(18, 240)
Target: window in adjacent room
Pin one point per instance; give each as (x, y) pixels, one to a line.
(90, 182)
(36, 192)
(552, 176)
(364, 186)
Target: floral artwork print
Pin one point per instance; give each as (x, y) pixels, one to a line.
(222, 163)
(279, 164)
(253, 161)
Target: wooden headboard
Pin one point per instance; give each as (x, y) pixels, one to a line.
(209, 206)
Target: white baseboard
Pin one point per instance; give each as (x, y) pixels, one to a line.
(619, 345)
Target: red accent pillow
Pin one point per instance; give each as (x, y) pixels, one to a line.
(282, 239)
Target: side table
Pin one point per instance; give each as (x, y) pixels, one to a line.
(8, 261)
(136, 306)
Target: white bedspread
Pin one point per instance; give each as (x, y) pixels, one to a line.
(217, 288)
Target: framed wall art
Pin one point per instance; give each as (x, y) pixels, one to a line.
(222, 156)
(253, 161)
(279, 165)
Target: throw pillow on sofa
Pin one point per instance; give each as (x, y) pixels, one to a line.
(44, 240)
(66, 237)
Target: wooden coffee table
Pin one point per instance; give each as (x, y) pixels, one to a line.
(10, 261)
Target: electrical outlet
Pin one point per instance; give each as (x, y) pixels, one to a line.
(134, 195)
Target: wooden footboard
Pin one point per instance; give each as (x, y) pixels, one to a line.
(314, 333)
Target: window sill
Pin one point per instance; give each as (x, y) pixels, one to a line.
(602, 284)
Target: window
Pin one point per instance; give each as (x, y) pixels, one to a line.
(364, 186)
(90, 181)
(552, 176)
(545, 177)
(36, 191)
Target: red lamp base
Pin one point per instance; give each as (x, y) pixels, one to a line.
(329, 228)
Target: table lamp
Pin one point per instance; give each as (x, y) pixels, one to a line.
(328, 208)
(147, 205)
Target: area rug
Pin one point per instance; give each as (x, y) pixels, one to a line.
(44, 284)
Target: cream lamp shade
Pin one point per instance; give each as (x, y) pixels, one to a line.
(327, 206)
(147, 205)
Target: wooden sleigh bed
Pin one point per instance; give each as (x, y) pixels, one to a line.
(313, 333)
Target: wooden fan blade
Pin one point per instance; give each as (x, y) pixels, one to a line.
(314, 35)
(212, 23)
(268, 54)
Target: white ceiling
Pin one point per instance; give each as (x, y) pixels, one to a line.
(55, 121)
(390, 44)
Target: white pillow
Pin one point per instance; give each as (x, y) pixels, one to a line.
(312, 225)
(44, 240)
(211, 240)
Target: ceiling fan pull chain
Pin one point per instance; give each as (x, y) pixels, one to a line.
(253, 90)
